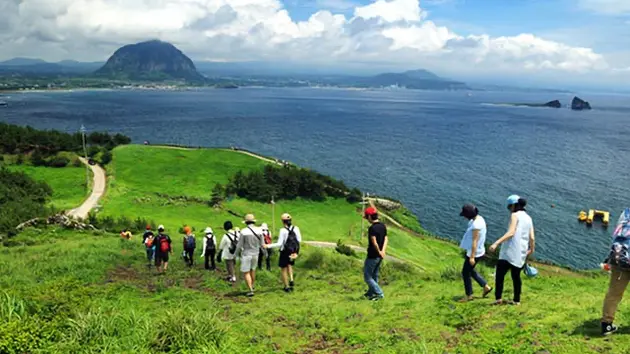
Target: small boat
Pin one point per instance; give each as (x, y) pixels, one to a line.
(602, 215)
(3, 104)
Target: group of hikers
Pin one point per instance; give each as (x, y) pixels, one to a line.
(252, 244)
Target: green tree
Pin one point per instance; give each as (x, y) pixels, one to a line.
(218, 195)
(106, 158)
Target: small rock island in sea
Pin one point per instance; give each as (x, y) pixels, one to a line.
(579, 104)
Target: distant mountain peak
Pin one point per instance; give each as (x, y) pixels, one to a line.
(150, 60)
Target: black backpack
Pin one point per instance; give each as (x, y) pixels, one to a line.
(210, 243)
(233, 242)
(292, 245)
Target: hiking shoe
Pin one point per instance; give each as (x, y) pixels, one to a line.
(367, 295)
(250, 294)
(608, 329)
(287, 290)
(291, 283)
(376, 297)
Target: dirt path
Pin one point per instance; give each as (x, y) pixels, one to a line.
(256, 156)
(98, 189)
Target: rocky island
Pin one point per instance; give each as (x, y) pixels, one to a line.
(579, 104)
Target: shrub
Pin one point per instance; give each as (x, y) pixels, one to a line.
(58, 161)
(76, 162)
(21, 199)
(37, 158)
(345, 249)
(218, 195)
(106, 158)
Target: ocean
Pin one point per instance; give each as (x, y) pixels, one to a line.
(434, 151)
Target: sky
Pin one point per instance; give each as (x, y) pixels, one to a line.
(539, 41)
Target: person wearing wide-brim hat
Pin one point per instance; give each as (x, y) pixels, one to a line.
(209, 249)
(249, 244)
(289, 239)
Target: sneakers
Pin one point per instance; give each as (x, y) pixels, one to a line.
(250, 294)
(287, 290)
(376, 297)
(608, 328)
(291, 283)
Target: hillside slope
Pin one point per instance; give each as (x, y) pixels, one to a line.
(66, 291)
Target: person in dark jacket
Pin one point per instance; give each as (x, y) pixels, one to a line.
(163, 249)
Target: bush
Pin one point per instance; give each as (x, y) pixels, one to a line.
(58, 161)
(21, 199)
(345, 249)
(37, 158)
(106, 158)
(76, 162)
(287, 183)
(218, 195)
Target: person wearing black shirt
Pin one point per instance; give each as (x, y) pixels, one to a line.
(377, 244)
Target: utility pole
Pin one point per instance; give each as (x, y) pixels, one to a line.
(273, 213)
(363, 202)
(87, 168)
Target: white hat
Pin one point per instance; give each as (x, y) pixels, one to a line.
(249, 218)
(285, 217)
(161, 227)
(264, 226)
(208, 230)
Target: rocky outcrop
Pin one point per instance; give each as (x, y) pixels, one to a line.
(579, 104)
(553, 104)
(59, 219)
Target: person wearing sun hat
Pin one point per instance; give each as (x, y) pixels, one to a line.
(265, 254)
(249, 244)
(209, 249)
(473, 243)
(518, 243)
(377, 245)
(163, 248)
(289, 239)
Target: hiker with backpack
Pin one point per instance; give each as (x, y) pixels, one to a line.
(249, 245)
(377, 245)
(518, 243)
(289, 239)
(227, 250)
(473, 243)
(618, 262)
(190, 243)
(209, 249)
(162, 250)
(148, 239)
(265, 253)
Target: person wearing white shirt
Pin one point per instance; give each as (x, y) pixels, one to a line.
(289, 239)
(227, 249)
(209, 249)
(473, 242)
(249, 244)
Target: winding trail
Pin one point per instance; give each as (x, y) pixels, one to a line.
(98, 189)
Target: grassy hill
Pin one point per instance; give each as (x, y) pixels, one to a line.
(84, 292)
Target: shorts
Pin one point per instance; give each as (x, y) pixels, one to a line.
(284, 260)
(248, 263)
(160, 257)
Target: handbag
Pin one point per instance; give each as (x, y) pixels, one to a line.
(530, 271)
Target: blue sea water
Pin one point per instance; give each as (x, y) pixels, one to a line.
(433, 150)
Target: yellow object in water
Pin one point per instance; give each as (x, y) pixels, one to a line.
(602, 215)
(582, 216)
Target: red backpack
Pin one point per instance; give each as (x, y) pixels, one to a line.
(164, 246)
(267, 236)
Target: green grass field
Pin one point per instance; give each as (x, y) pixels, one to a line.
(67, 183)
(90, 292)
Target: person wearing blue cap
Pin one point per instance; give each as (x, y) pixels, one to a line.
(518, 243)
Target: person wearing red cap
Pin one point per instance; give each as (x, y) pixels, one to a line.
(377, 245)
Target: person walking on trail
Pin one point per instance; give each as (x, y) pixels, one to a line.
(377, 246)
(190, 243)
(209, 249)
(618, 261)
(289, 239)
(249, 244)
(148, 239)
(163, 248)
(473, 242)
(125, 234)
(518, 243)
(227, 250)
(265, 253)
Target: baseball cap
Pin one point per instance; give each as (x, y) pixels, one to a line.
(513, 199)
(469, 210)
(161, 228)
(370, 211)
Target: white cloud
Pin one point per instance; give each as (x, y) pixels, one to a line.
(394, 32)
(608, 7)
